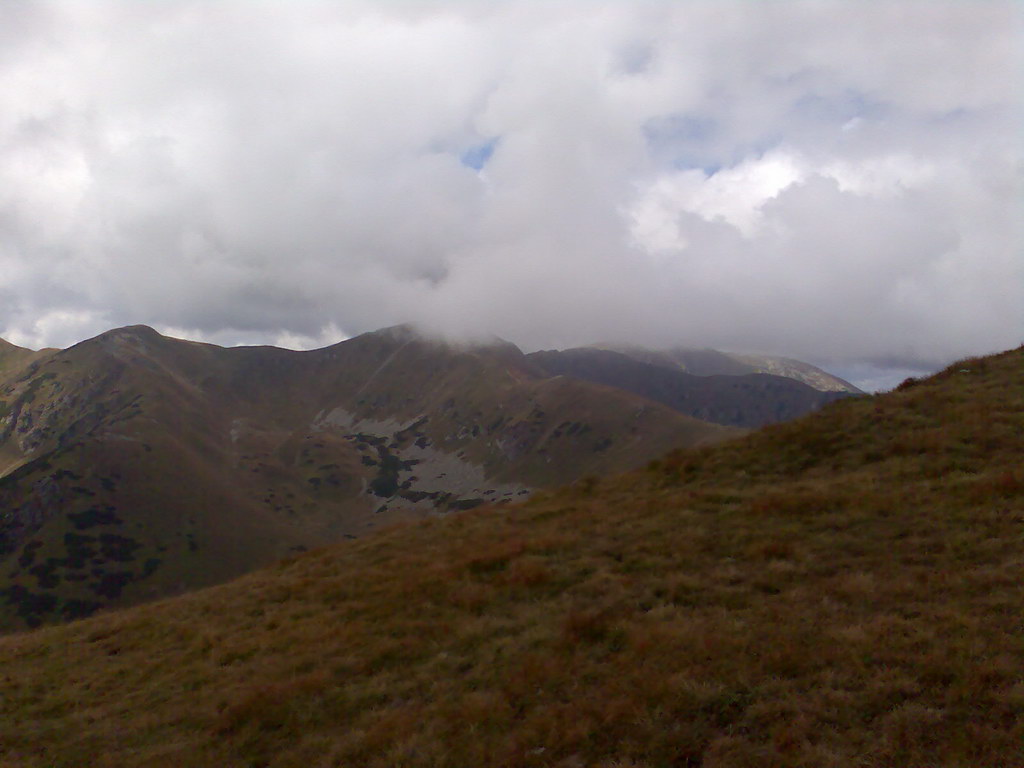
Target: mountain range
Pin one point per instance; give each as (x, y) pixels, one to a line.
(841, 589)
(135, 466)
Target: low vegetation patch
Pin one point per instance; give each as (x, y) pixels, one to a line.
(842, 590)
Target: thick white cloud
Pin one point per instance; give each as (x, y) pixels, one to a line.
(833, 181)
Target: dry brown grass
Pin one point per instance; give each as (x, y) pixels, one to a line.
(842, 591)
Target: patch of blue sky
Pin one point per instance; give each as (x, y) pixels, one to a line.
(877, 378)
(684, 141)
(680, 127)
(688, 142)
(953, 115)
(963, 118)
(839, 107)
(734, 154)
(635, 58)
(477, 156)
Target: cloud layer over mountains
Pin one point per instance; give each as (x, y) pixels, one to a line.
(828, 181)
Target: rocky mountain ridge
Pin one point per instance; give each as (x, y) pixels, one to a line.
(133, 465)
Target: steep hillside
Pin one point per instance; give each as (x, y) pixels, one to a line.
(711, 362)
(846, 589)
(742, 400)
(136, 466)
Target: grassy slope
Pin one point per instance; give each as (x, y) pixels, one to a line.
(14, 359)
(842, 590)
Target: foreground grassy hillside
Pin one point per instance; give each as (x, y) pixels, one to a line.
(843, 590)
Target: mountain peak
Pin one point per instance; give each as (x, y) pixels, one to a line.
(131, 331)
(410, 332)
(402, 332)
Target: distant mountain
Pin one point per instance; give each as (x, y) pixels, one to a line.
(711, 362)
(724, 392)
(134, 466)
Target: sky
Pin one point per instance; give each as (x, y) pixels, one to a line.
(839, 182)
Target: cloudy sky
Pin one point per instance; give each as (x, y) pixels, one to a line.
(839, 182)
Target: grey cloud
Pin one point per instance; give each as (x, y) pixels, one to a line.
(255, 173)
